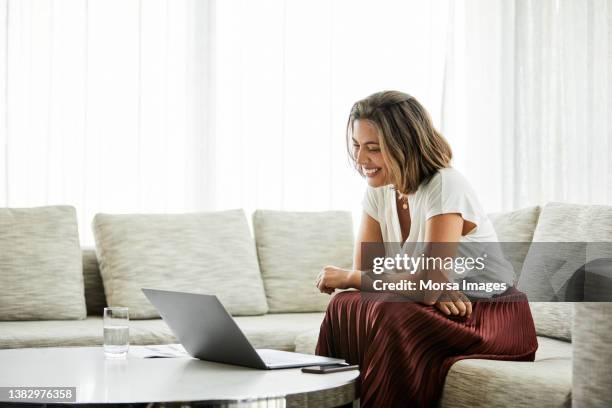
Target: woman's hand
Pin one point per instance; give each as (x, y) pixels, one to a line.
(331, 278)
(455, 303)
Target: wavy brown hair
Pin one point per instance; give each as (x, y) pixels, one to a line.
(413, 150)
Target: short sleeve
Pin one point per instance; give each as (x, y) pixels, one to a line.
(371, 203)
(449, 192)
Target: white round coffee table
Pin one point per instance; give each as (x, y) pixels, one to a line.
(170, 381)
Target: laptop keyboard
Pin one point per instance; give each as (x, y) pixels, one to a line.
(283, 357)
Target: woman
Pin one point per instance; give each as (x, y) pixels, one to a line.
(405, 348)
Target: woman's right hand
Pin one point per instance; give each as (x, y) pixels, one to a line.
(331, 278)
(456, 303)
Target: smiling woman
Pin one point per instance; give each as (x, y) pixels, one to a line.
(414, 196)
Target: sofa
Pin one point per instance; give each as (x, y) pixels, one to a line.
(575, 340)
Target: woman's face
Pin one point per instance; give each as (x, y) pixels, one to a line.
(366, 150)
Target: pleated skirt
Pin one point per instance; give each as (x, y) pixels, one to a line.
(404, 349)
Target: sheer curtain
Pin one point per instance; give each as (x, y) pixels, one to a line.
(103, 105)
(529, 101)
(286, 76)
(563, 103)
(520, 89)
(183, 105)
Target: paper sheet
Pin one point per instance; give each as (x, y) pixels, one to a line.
(158, 351)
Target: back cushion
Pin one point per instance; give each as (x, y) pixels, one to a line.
(41, 274)
(211, 253)
(94, 289)
(515, 231)
(561, 247)
(293, 247)
(561, 222)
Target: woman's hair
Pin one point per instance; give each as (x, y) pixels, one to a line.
(413, 150)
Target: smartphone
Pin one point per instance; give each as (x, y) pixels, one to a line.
(332, 368)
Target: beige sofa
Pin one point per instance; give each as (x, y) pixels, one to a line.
(547, 382)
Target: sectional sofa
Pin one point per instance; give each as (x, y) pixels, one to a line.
(52, 293)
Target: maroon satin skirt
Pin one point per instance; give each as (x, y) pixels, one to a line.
(404, 349)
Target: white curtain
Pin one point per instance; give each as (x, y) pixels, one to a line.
(183, 105)
(286, 76)
(563, 103)
(520, 89)
(103, 105)
(529, 100)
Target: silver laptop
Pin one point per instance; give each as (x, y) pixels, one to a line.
(208, 332)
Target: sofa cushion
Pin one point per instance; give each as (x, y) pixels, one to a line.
(306, 342)
(546, 382)
(211, 253)
(515, 231)
(561, 246)
(553, 319)
(94, 288)
(592, 355)
(560, 222)
(88, 332)
(516, 226)
(562, 243)
(293, 247)
(277, 331)
(41, 274)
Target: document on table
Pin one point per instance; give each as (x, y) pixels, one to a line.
(158, 351)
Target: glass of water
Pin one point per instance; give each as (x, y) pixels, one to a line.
(116, 332)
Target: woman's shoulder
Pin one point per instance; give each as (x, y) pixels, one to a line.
(448, 191)
(447, 181)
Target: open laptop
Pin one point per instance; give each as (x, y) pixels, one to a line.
(208, 332)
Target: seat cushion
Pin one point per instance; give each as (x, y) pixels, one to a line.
(306, 342)
(41, 276)
(207, 252)
(88, 332)
(277, 331)
(546, 382)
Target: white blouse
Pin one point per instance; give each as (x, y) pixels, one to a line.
(446, 192)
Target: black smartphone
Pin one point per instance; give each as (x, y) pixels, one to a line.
(332, 368)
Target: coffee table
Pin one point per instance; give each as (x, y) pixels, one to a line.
(169, 382)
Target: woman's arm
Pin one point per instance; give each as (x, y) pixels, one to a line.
(447, 229)
(331, 277)
(442, 235)
(444, 229)
(369, 231)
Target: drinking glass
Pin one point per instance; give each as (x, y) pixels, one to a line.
(116, 332)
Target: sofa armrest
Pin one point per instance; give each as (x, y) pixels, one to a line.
(592, 355)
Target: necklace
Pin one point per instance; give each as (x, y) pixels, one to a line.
(404, 200)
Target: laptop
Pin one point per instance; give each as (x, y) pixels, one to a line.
(208, 332)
